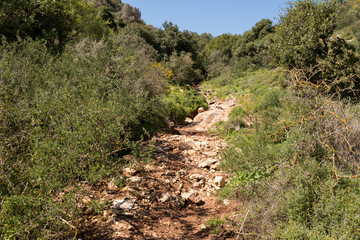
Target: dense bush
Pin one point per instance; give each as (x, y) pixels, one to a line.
(53, 21)
(181, 103)
(184, 70)
(300, 38)
(67, 119)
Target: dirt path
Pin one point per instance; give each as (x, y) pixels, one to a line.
(175, 195)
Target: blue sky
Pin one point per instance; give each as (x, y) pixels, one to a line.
(215, 17)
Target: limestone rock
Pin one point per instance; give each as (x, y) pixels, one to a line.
(188, 121)
(129, 172)
(193, 197)
(226, 202)
(165, 197)
(86, 200)
(201, 109)
(208, 163)
(219, 181)
(124, 204)
(197, 177)
(135, 179)
(215, 166)
(176, 151)
(191, 152)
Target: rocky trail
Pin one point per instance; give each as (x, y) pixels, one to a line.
(174, 196)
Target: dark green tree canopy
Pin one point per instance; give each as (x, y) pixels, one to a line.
(303, 30)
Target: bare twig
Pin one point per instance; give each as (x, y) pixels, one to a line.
(70, 225)
(242, 225)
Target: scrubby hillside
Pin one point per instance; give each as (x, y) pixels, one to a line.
(295, 136)
(85, 83)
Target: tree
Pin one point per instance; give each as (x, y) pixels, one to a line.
(53, 21)
(303, 30)
(130, 14)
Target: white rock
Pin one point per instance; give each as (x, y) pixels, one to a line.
(188, 121)
(187, 195)
(135, 179)
(166, 197)
(129, 172)
(201, 109)
(207, 163)
(124, 204)
(215, 166)
(191, 152)
(219, 181)
(197, 177)
(226, 202)
(201, 146)
(86, 200)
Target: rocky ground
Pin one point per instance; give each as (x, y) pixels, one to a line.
(174, 196)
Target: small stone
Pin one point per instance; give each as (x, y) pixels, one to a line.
(124, 204)
(166, 197)
(111, 184)
(176, 151)
(193, 197)
(188, 121)
(86, 200)
(135, 179)
(191, 152)
(219, 181)
(197, 177)
(201, 109)
(208, 163)
(203, 227)
(197, 184)
(169, 173)
(226, 202)
(129, 172)
(216, 166)
(167, 181)
(201, 145)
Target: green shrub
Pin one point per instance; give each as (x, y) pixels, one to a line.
(53, 21)
(296, 167)
(184, 69)
(68, 119)
(182, 102)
